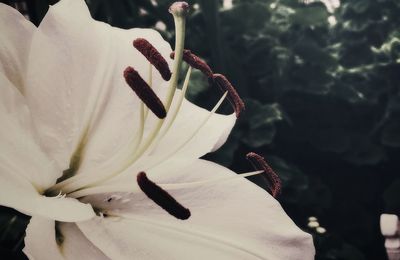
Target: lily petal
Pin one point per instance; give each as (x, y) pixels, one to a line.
(17, 34)
(40, 242)
(20, 152)
(87, 100)
(20, 195)
(25, 170)
(232, 219)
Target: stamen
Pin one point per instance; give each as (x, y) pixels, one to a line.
(195, 62)
(259, 163)
(161, 197)
(144, 92)
(224, 85)
(127, 187)
(153, 56)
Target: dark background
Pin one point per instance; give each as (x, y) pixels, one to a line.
(322, 105)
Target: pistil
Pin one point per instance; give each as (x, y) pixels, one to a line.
(179, 10)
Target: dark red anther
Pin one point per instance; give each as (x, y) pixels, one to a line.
(224, 85)
(161, 197)
(153, 56)
(259, 163)
(144, 92)
(195, 62)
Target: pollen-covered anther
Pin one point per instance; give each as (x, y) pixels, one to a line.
(144, 92)
(153, 56)
(162, 198)
(259, 163)
(195, 62)
(224, 85)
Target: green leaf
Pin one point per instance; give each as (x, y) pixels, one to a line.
(198, 84)
(260, 136)
(315, 14)
(260, 115)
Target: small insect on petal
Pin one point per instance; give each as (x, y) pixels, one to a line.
(195, 62)
(259, 163)
(144, 92)
(153, 56)
(224, 85)
(161, 197)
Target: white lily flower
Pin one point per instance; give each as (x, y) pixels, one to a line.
(76, 141)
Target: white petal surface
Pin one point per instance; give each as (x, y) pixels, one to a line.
(15, 42)
(230, 220)
(25, 170)
(143, 239)
(20, 152)
(76, 83)
(210, 136)
(40, 242)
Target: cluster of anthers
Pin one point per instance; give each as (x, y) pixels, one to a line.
(78, 187)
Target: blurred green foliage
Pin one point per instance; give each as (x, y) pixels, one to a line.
(322, 103)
